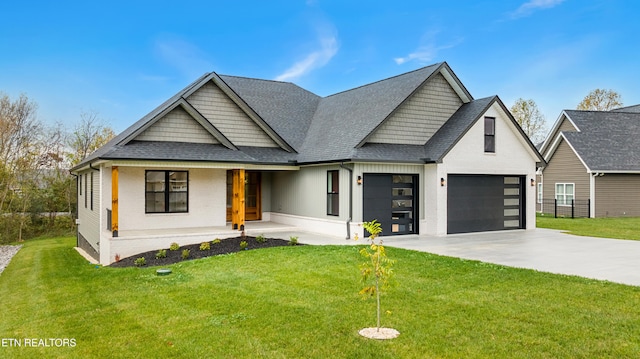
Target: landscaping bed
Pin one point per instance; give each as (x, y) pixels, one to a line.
(224, 246)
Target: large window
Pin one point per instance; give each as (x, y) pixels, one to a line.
(539, 192)
(565, 193)
(333, 196)
(92, 191)
(489, 134)
(166, 191)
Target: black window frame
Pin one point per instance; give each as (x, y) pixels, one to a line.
(167, 191)
(333, 193)
(92, 191)
(490, 135)
(80, 184)
(85, 190)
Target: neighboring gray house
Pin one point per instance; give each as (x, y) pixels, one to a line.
(594, 159)
(415, 151)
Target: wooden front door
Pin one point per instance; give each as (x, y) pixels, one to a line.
(252, 195)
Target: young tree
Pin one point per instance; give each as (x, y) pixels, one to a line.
(600, 100)
(376, 272)
(530, 119)
(88, 135)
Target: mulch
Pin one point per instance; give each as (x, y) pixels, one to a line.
(226, 246)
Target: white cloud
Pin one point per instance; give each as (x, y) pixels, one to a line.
(426, 52)
(531, 6)
(328, 44)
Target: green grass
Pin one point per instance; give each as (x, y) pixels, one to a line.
(302, 302)
(620, 228)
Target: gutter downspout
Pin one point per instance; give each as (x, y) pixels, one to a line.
(350, 199)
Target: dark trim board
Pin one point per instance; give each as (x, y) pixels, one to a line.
(479, 203)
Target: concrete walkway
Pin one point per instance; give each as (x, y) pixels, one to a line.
(541, 249)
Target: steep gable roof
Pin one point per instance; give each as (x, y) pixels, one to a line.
(606, 141)
(307, 127)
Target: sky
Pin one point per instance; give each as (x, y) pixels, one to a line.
(121, 59)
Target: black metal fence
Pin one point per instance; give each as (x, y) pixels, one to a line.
(578, 208)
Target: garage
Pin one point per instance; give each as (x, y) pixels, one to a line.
(392, 200)
(478, 203)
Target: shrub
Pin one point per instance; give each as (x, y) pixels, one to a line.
(261, 239)
(174, 246)
(205, 246)
(140, 262)
(216, 241)
(293, 241)
(244, 245)
(161, 254)
(185, 254)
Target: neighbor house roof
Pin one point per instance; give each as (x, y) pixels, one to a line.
(605, 141)
(308, 128)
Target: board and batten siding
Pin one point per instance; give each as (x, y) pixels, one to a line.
(565, 167)
(416, 120)
(304, 192)
(90, 218)
(228, 118)
(361, 168)
(617, 195)
(177, 126)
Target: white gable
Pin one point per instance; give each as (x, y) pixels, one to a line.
(416, 120)
(512, 156)
(228, 118)
(177, 126)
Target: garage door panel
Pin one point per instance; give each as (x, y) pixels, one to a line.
(478, 203)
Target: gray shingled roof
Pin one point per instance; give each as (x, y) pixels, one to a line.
(451, 132)
(343, 120)
(318, 129)
(285, 107)
(607, 141)
(634, 108)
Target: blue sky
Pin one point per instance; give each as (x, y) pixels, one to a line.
(121, 59)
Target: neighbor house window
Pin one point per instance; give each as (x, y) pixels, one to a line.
(565, 193)
(489, 134)
(166, 191)
(333, 196)
(80, 184)
(539, 192)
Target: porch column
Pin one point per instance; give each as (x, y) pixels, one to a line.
(114, 200)
(237, 203)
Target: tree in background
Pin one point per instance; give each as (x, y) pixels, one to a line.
(528, 116)
(87, 136)
(600, 100)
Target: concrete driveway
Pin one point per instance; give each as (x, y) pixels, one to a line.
(541, 249)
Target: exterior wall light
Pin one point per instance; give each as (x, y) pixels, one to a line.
(442, 182)
(533, 182)
(359, 180)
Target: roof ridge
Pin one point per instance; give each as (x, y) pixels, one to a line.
(385, 79)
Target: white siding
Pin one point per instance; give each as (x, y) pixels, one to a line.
(207, 201)
(421, 116)
(177, 126)
(228, 118)
(304, 192)
(512, 156)
(90, 219)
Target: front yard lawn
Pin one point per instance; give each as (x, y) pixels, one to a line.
(302, 302)
(621, 228)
